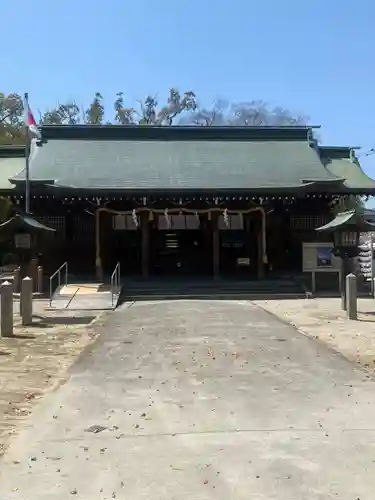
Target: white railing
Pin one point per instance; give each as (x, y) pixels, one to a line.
(115, 283)
(62, 278)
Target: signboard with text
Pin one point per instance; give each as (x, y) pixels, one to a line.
(318, 257)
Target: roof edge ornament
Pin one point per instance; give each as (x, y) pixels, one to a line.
(352, 156)
(311, 139)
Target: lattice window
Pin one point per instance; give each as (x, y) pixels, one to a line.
(234, 222)
(84, 228)
(123, 222)
(306, 222)
(54, 221)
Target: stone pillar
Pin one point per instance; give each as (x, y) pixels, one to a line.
(6, 316)
(40, 279)
(145, 244)
(344, 272)
(215, 245)
(27, 301)
(351, 296)
(33, 266)
(17, 280)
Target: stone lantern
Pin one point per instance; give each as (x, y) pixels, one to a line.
(26, 235)
(345, 230)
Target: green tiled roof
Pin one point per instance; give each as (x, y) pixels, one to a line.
(176, 165)
(351, 220)
(12, 161)
(342, 162)
(178, 158)
(24, 221)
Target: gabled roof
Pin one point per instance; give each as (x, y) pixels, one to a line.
(24, 221)
(12, 161)
(350, 220)
(342, 162)
(136, 158)
(12, 151)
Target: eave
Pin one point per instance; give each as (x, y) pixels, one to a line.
(350, 220)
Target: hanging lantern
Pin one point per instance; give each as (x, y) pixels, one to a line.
(135, 218)
(151, 216)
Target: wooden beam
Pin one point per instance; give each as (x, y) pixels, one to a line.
(145, 245)
(215, 245)
(260, 250)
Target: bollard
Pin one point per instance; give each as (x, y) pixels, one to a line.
(17, 280)
(6, 322)
(33, 266)
(27, 301)
(351, 296)
(40, 279)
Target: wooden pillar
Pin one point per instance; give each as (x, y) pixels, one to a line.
(260, 250)
(215, 245)
(98, 260)
(145, 245)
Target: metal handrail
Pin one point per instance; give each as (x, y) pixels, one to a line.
(58, 274)
(115, 282)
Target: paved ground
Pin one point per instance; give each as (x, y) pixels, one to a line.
(85, 296)
(35, 360)
(200, 400)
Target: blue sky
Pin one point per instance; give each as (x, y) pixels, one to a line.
(314, 58)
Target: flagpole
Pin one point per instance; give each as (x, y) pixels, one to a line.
(27, 154)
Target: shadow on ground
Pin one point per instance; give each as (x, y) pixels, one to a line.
(22, 336)
(48, 322)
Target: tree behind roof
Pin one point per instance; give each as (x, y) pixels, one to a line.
(180, 109)
(11, 119)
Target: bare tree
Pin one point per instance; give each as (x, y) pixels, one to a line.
(180, 109)
(147, 114)
(175, 106)
(123, 114)
(207, 117)
(249, 113)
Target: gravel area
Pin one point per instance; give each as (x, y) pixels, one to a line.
(323, 319)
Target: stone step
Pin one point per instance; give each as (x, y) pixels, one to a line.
(215, 290)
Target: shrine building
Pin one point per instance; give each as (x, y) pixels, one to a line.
(195, 201)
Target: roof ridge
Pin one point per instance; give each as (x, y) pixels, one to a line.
(163, 127)
(12, 151)
(174, 133)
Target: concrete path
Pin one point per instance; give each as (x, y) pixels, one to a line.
(200, 400)
(36, 359)
(85, 296)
